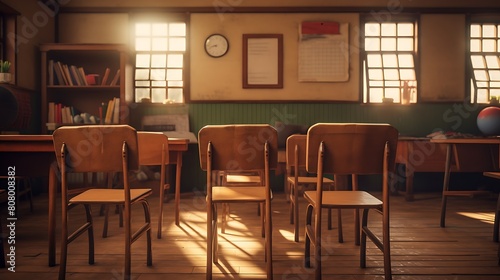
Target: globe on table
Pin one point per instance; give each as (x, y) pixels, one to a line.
(488, 121)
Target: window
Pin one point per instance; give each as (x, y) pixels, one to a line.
(484, 61)
(389, 62)
(160, 61)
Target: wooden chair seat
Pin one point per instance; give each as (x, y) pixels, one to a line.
(243, 179)
(99, 196)
(343, 199)
(240, 194)
(308, 180)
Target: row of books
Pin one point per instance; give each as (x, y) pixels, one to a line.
(71, 75)
(109, 113)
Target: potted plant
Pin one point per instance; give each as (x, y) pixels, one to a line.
(5, 75)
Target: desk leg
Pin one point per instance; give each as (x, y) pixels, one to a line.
(409, 184)
(446, 183)
(178, 169)
(52, 215)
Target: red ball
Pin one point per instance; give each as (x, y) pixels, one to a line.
(488, 121)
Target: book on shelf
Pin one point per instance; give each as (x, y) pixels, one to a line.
(61, 78)
(116, 111)
(51, 72)
(116, 78)
(105, 77)
(109, 112)
(83, 76)
(67, 73)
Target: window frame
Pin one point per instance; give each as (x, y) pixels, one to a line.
(168, 18)
(364, 88)
(471, 79)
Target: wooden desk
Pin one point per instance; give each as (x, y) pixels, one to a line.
(24, 150)
(417, 154)
(467, 155)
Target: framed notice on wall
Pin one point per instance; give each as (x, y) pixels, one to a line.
(262, 61)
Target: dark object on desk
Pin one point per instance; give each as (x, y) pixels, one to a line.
(15, 108)
(285, 130)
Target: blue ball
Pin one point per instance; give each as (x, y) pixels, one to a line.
(488, 121)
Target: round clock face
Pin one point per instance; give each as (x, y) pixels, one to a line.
(216, 45)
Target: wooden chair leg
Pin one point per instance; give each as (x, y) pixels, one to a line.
(90, 233)
(147, 220)
(307, 243)
(210, 224)
(339, 225)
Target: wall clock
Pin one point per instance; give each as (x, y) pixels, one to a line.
(216, 45)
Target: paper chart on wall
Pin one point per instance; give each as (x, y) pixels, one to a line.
(323, 52)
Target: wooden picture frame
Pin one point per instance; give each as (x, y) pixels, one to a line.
(262, 61)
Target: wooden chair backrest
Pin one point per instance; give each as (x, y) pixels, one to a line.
(153, 148)
(351, 148)
(238, 147)
(96, 148)
(298, 141)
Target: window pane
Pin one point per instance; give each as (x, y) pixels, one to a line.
(160, 29)
(142, 83)
(162, 83)
(481, 75)
(475, 45)
(177, 29)
(407, 74)
(494, 75)
(405, 29)
(158, 95)
(175, 61)
(376, 95)
(372, 44)
(142, 60)
(489, 31)
(482, 96)
(391, 74)
(393, 93)
(374, 60)
(142, 74)
(372, 29)
(141, 93)
(158, 74)
(489, 45)
(177, 44)
(159, 60)
(405, 44)
(406, 60)
(492, 61)
(390, 60)
(175, 83)
(175, 95)
(388, 44)
(174, 74)
(375, 74)
(160, 44)
(388, 29)
(378, 83)
(475, 30)
(477, 61)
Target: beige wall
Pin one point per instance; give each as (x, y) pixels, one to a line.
(35, 25)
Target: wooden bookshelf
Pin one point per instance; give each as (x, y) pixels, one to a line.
(79, 95)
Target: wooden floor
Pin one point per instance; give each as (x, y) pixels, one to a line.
(420, 248)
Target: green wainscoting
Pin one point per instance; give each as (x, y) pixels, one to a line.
(412, 120)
